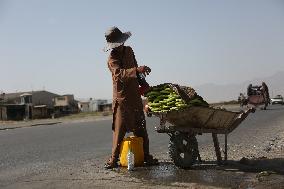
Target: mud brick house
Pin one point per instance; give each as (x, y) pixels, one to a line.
(95, 105)
(27, 105)
(65, 104)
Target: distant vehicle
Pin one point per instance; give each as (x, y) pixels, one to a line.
(257, 95)
(278, 99)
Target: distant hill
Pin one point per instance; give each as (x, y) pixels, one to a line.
(219, 93)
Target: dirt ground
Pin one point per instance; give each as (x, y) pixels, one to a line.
(257, 162)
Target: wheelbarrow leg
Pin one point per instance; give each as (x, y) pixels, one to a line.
(226, 148)
(198, 154)
(217, 148)
(199, 157)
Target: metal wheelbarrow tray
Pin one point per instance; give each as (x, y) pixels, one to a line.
(185, 124)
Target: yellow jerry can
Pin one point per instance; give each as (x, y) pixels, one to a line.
(135, 144)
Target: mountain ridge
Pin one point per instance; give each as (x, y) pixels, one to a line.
(218, 93)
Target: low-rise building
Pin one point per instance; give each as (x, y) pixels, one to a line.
(27, 105)
(35, 105)
(84, 106)
(65, 104)
(94, 105)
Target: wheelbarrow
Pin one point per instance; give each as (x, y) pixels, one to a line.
(185, 124)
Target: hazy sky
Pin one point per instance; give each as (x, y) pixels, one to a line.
(57, 45)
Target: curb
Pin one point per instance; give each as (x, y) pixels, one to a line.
(31, 125)
(64, 121)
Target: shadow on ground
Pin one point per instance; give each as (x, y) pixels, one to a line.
(259, 173)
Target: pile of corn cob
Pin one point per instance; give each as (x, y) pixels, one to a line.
(162, 98)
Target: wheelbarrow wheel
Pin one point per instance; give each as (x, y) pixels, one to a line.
(183, 149)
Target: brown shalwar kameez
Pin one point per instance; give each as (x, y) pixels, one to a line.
(128, 115)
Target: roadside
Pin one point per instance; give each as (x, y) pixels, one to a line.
(75, 118)
(82, 117)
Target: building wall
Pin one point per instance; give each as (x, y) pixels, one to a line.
(13, 99)
(38, 113)
(84, 107)
(65, 100)
(105, 107)
(16, 112)
(94, 104)
(3, 113)
(70, 98)
(61, 101)
(43, 98)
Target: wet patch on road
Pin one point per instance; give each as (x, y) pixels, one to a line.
(170, 175)
(232, 175)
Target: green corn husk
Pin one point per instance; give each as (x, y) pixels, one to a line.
(171, 104)
(162, 98)
(174, 108)
(165, 92)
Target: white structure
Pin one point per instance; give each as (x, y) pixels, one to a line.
(95, 103)
(91, 105)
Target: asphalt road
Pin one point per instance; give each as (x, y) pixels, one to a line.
(27, 152)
